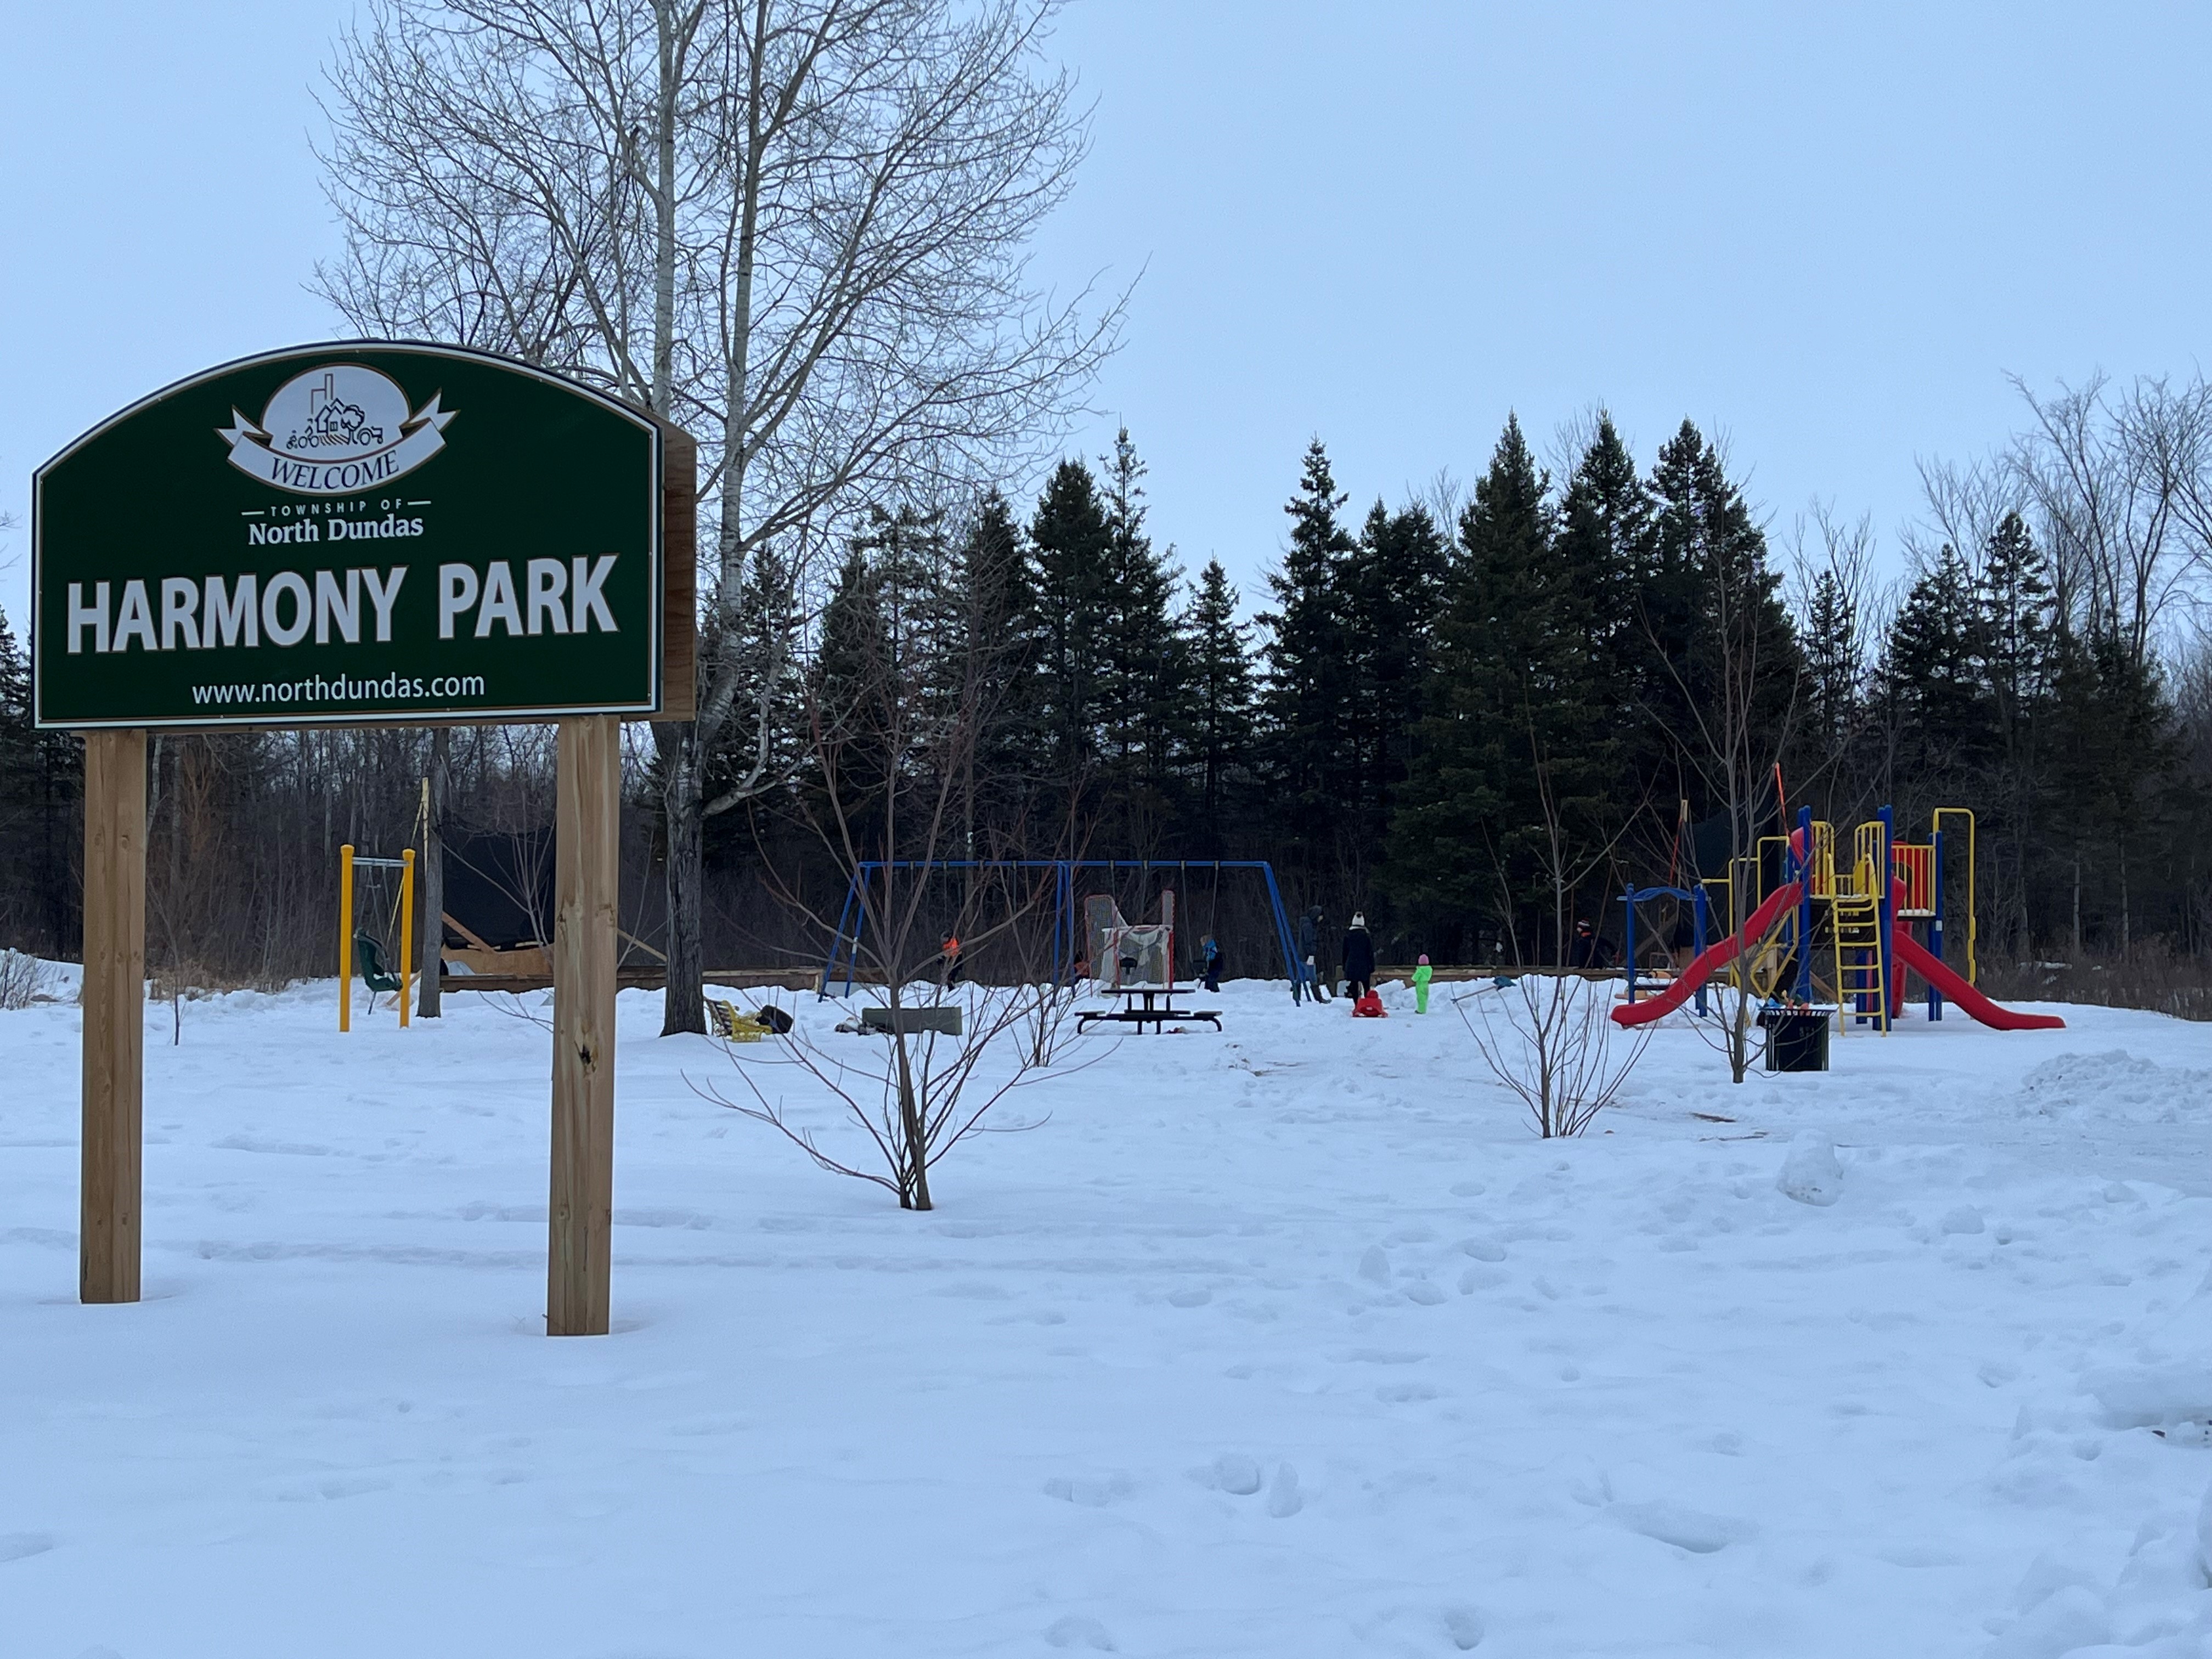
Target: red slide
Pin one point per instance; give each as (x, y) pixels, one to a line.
(1717, 957)
(1914, 954)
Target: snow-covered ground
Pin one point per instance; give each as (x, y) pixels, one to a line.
(1286, 1342)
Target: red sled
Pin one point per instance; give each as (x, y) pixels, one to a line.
(1368, 1007)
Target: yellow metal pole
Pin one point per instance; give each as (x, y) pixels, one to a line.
(1973, 926)
(345, 937)
(406, 932)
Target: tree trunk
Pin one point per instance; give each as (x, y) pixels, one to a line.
(433, 873)
(684, 817)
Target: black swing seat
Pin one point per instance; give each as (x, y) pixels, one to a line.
(370, 960)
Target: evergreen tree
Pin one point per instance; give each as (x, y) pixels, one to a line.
(850, 704)
(1397, 579)
(19, 779)
(2015, 630)
(1834, 670)
(1072, 541)
(1932, 688)
(1217, 733)
(1506, 755)
(2109, 759)
(2018, 639)
(1307, 693)
(758, 637)
(996, 646)
(1140, 682)
(1605, 533)
(881, 691)
(1721, 666)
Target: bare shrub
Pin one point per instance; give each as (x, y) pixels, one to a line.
(912, 1096)
(1547, 1039)
(23, 978)
(2152, 976)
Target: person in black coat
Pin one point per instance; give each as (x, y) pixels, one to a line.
(1591, 949)
(1359, 959)
(1209, 951)
(1309, 952)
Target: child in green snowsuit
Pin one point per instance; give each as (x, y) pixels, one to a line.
(1422, 973)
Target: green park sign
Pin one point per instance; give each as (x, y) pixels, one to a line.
(352, 533)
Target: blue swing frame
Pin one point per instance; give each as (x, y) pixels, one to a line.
(853, 917)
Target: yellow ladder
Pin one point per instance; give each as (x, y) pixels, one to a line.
(1858, 958)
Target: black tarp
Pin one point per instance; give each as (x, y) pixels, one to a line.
(499, 883)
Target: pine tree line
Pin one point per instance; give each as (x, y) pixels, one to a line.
(1476, 722)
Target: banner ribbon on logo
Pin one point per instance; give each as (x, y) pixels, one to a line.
(421, 437)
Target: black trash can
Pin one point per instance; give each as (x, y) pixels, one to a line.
(1796, 1038)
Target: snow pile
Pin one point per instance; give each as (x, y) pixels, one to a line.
(2158, 1604)
(2115, 1086)
(1812, 1174)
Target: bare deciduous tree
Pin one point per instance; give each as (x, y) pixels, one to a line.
(2121, 483)
(1549, 1039)
(901, 694)
(796, 228)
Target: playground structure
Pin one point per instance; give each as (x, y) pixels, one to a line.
(1819, 935)
(852, 919)
(362, 950)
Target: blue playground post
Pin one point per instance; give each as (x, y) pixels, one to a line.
(1695, 897)
(1935, 921)
(1628, 944)
(1804, 865)
(1699, 918)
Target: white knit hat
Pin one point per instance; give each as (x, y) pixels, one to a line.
(1359, 918)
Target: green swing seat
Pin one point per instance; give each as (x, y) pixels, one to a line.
(370, 960)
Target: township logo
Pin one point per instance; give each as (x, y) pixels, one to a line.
(334, 430)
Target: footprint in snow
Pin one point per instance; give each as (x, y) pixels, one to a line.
(1237, 1474)
(1077, 1632)
(1375, 1265)
(1424, 1294)
(1093, 1491)
(1284, 1498)
(1483, 1249)
(1463, 1627)
(1404, 1394)
(1679, 1524)
(1196, 1297)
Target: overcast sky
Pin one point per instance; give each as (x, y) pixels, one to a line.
(1827, 232)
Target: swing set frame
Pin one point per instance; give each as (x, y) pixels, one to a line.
(349, 861)
(852, 921)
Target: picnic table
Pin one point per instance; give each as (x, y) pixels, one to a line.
(1143, 1005)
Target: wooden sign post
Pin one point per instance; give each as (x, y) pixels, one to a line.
(114, 1002)
(580, 1209)
(354, 534)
